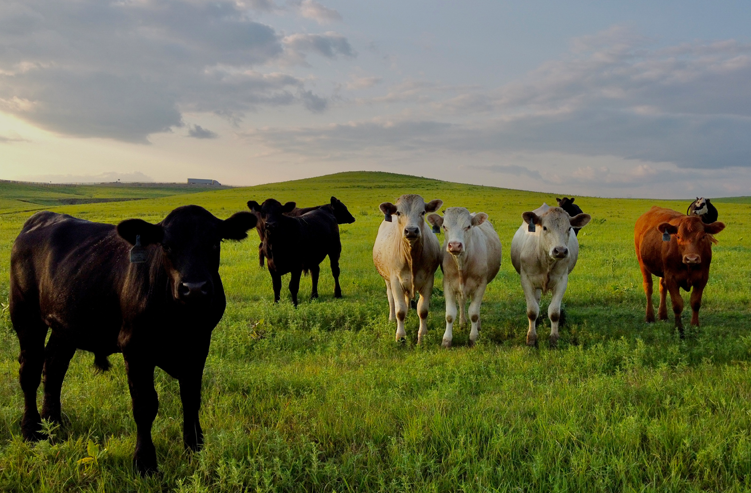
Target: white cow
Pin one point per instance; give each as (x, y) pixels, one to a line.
(406, 254)
(473, 260)
(544, 258)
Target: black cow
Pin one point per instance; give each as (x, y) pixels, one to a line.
(567, 204)
(298, 244)
(76, 278)
(336, 207)
(704, 209)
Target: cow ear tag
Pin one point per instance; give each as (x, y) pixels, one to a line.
(436, 229)
(138, 253)
(387, 218)
(665, 236)
(531, 227)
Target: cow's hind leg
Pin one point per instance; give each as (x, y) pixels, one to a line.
(31, 335)
(57, 358)
(554, 310)
(294, 284)
(401, 306)
(647, 283)
(662, 310)
(314, 272)
(276, 282)
(190, 394)
(335, 271)
(145, 407)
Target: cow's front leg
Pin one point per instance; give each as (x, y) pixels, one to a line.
(677, 302)
(554, 310)
(31, 336)
(58, 354)
(314, 272)
(145, 407)
(390, 296)
(276, 282)
(335, 271)
(423, 305)
(662, 310)
(190, 394)
(696, 293)
(451, 311)
(400, 306)
(294, 284)
(474, 314)
(533, 310)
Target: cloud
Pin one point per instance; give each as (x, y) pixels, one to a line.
(315, 11)
(108, 177)
(126, 70)
(198, 132)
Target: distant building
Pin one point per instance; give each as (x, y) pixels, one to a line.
(201, 181)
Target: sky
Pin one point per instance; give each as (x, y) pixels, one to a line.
(612, 99)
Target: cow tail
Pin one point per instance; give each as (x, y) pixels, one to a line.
(101, 362)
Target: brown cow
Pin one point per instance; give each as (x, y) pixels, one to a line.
(678, 249)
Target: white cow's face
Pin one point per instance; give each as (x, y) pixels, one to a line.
(554, 227)
(409, 214)
(457, 223)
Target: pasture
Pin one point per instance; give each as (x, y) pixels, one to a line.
(321, 398)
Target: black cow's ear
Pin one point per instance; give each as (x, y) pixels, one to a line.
(571, 200)
(149, 233)
(580, 220)
(288, 207)
(334, 200)
(254, 206)
(236, 227)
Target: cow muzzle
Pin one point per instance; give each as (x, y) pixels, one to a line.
(692, 259)
(193, 291)
(411, 233)
(455, 247)
(559, 252)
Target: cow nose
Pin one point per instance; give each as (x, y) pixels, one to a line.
(692, 259)
(455, 247)
(412, 232)
(560, 252)
(192, 290)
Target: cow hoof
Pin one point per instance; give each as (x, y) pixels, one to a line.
(446, 343)
(33, 436)
(471, 343)
(553, 342)
(401, 340)
(532, 341)
(338, 294)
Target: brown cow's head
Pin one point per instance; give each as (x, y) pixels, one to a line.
(554, 227)
(456, 224)
(190, 238)
(691, 238)
(409, 214)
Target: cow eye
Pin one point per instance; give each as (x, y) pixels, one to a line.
(423, 213)
(398, 213)
(544, 228)
(445, 228)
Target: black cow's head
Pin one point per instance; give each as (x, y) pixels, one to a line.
(341, 213)
(190, 238)
(271, 211)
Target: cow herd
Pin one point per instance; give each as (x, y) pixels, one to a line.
(153, 291)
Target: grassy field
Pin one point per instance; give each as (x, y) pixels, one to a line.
(320, 398)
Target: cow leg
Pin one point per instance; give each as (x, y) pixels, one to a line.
(314, 271)
(294, 284)
(554, 310)
(401, 306)
(462, 305)
(538, 297)
(190, 394)
(423, 305)
(145, 406)
(662, 310)
(335, 271)
(390, 296)
(276, 281)
(31, 339)
(647, 276)
(448, 335)
(677, 302)
(474, 314)
(533, 310)
(57, 358)
(696, 293)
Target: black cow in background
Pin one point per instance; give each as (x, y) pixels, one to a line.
(298, 244)
(567, 204)
(76, 278)
(704, 209)
(336, 207)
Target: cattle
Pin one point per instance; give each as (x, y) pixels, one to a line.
(678, 250)
(150, 291)
(294, 245)
(567, 204)
(406, 254)
(471, 259)
(544, 251)
(336, 207)
(704, 209)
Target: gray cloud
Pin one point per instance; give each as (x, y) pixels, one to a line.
(125, 70)
(198, 132)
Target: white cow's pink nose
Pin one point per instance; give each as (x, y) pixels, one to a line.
(455, 247)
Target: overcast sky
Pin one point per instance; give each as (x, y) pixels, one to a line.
(619, 99)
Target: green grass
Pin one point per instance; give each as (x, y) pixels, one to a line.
(320, 398)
